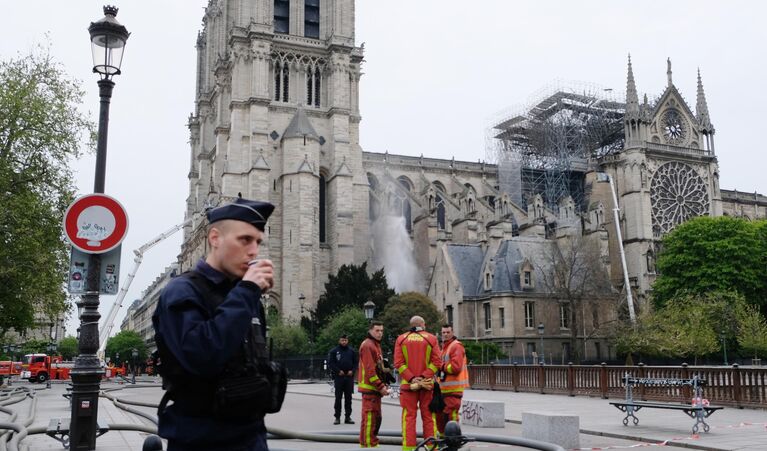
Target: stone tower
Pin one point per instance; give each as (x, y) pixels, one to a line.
(666, 174)
(277, 118)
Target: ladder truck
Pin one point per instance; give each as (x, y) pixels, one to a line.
(139, 257)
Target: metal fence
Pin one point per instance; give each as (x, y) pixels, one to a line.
(305, 367)
(730, 386)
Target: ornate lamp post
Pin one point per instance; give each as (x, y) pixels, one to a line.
(108, 39)
(541, 330)
(370, 310)
(134, 354)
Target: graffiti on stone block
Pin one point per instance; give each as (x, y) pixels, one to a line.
(471, 412)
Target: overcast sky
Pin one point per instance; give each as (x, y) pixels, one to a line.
(437, 75)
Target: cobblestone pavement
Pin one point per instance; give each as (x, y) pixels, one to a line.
(309, 407)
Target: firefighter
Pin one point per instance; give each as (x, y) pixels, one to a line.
(210, 330)
(342, 360)
(370, 383)
(454, 377)
(417, 359)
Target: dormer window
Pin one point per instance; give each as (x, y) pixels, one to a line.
(528, 278)
(488, 281)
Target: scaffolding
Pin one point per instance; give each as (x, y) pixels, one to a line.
(546, 147)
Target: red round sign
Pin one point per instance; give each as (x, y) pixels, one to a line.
(95, 223)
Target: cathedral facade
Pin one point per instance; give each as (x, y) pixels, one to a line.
(277, 118)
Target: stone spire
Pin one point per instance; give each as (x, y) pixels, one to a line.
(668, 72)
(632, 99)
(701, 108)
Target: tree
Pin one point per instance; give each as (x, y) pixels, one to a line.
(289, 340)
(400, 308)
(352, 286)
(714, 254)
(123, 344)
(687, 326)
(41, 130)
(68, 348)
(482, 352)
(752, 331)
(351, 322)
(573, 272)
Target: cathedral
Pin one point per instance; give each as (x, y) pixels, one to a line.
(277, 118)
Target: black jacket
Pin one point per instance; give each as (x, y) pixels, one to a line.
(342, 358)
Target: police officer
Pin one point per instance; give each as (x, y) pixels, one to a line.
(342, 360)
(209, 325)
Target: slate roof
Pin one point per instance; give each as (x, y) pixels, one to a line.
(467, 260)
(300, 126)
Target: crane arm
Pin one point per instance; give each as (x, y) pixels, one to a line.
(139, 256)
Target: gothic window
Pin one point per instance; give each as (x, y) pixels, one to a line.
(312, 19)
(323, 190)
(281, 81)
(529, 315)
(488, 316)
(564, 315)
(282, 16)
(449, 314)
(677, 193)
(313, 87)
(595, 317)
(440, 212)
(372, 200)
(404, 205)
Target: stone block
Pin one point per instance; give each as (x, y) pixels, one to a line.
(561, 429)
(485, 414)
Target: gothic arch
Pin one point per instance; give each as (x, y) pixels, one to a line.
(323, 185)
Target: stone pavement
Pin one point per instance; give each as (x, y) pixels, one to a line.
(309, 407)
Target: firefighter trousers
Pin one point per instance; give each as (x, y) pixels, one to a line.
(452, 412)
(371, 420)
(412, 402)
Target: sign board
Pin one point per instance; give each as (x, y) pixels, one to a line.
(110, 271)
(95, 223)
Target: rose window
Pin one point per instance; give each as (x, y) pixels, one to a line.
(677, 193)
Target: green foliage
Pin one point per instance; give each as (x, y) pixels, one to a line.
(706, 254)
(400, 308)
(482, 352)
(41, 131)
(352, 286)
(351, 322)
(35, 347)
(123, 344)
(752, 331)
(289, 340)
(68, 348)
(687, 326)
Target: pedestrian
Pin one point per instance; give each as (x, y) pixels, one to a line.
(210, 330)
(371, 384)
(454, 377)
(342, 360)
(417, 358)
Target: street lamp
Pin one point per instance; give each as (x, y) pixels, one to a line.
(134, 354)
(370, 310)
(108, 38)
(724, 347)
(541, 330)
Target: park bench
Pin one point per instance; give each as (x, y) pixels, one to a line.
(698, 411)
(58, 429)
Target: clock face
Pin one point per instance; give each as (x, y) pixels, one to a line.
(673, 126)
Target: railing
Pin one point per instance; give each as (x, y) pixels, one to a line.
(729, 386)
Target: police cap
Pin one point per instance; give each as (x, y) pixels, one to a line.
(251, 211)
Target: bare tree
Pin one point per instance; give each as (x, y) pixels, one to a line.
(573, 273)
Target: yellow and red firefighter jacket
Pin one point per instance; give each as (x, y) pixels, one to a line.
(455, 366)
(368, 380)
(416, 354)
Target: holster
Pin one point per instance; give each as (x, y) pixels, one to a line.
(251, 395)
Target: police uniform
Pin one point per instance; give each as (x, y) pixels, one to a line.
(343, 358)
(206, 326)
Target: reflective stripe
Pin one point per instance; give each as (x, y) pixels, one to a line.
(455, 383)
(373, 379)
(404, 429)
(402, 369)
(368, 427)
(432, 367)
(449, 367)
(369, 387)
(435, 432)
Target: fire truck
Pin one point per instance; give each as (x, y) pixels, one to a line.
(38, 367)
(8, 369)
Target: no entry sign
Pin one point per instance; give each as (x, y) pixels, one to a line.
(95, 223)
